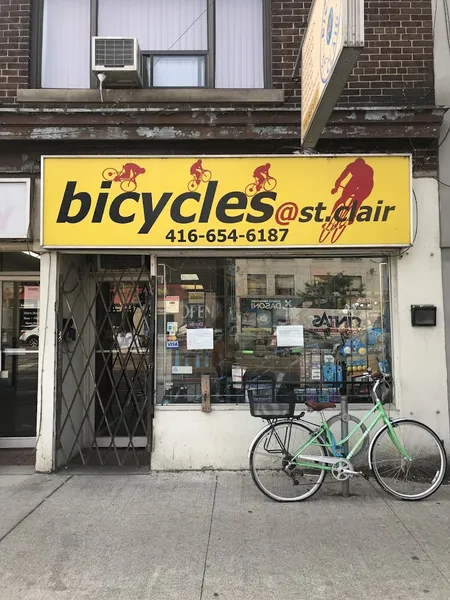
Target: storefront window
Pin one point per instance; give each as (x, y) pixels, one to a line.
(310, 323)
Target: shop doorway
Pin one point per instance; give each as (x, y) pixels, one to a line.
(106, 350)
(19, 348)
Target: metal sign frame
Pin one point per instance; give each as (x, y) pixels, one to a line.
(343, 32)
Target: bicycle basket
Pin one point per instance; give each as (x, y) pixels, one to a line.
(384, 392)
(261, 393)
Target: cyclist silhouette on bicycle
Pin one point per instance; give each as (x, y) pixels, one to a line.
(197, 171)
(261, 174)
(359, 187)
(129, 172)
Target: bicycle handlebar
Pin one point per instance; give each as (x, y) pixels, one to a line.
(369, 373)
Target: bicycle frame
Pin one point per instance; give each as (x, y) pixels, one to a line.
(377, 411)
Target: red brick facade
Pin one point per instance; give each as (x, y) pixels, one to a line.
(396, 67)
(15, 45)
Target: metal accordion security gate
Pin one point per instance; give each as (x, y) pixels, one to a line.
(106, 356)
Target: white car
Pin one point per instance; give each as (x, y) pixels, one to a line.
(30, 337)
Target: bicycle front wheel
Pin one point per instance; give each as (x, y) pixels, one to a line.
(269, 458)
(421, 473)
(270, 184)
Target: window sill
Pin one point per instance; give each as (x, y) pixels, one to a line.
(155, 96)
(243, 406)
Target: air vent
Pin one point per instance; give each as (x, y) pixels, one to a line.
(115, 53)
(119, 59)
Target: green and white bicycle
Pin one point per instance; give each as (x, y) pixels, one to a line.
(290, 457)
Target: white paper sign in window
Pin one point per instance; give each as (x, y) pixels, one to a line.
(200, 339)
(290, 336)
(14, 208)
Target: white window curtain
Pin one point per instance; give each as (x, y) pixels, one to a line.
(239, 44)
(66, 44)
(158, 24)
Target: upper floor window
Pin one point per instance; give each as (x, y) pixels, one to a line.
(184, 43)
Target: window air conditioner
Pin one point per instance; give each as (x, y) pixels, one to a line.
(119, 59)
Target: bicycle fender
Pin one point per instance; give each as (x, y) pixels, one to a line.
(377, 435)
(268, 426)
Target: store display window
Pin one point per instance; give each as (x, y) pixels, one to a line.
(313, 325)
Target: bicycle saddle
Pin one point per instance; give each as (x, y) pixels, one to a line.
(316, 406)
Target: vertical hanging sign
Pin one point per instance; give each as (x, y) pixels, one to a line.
(333, 41)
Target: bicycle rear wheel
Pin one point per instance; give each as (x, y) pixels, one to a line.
(250, 190)
(271, 452)
(415, 478)
(110, 174)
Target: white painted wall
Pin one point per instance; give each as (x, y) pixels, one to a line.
(46, 399)
(186, 438)
(419, 352)
(442, 95)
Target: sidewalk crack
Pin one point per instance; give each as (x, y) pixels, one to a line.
(209, 537)
(35, 508)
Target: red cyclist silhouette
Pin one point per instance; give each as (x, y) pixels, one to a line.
(199, 174)
(129, 172)
(263, 180)
(261, 174)
(197, 171)
(357, 189)
(126, 177)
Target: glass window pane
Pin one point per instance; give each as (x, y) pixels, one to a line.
(19, 343)
(178, 71)
(343, 308)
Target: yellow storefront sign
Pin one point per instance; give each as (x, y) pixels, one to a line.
(235, 202)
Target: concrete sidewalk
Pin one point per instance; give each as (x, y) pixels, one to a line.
(195, 536)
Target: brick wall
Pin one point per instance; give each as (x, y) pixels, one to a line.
(15, 24)
(396, 66)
